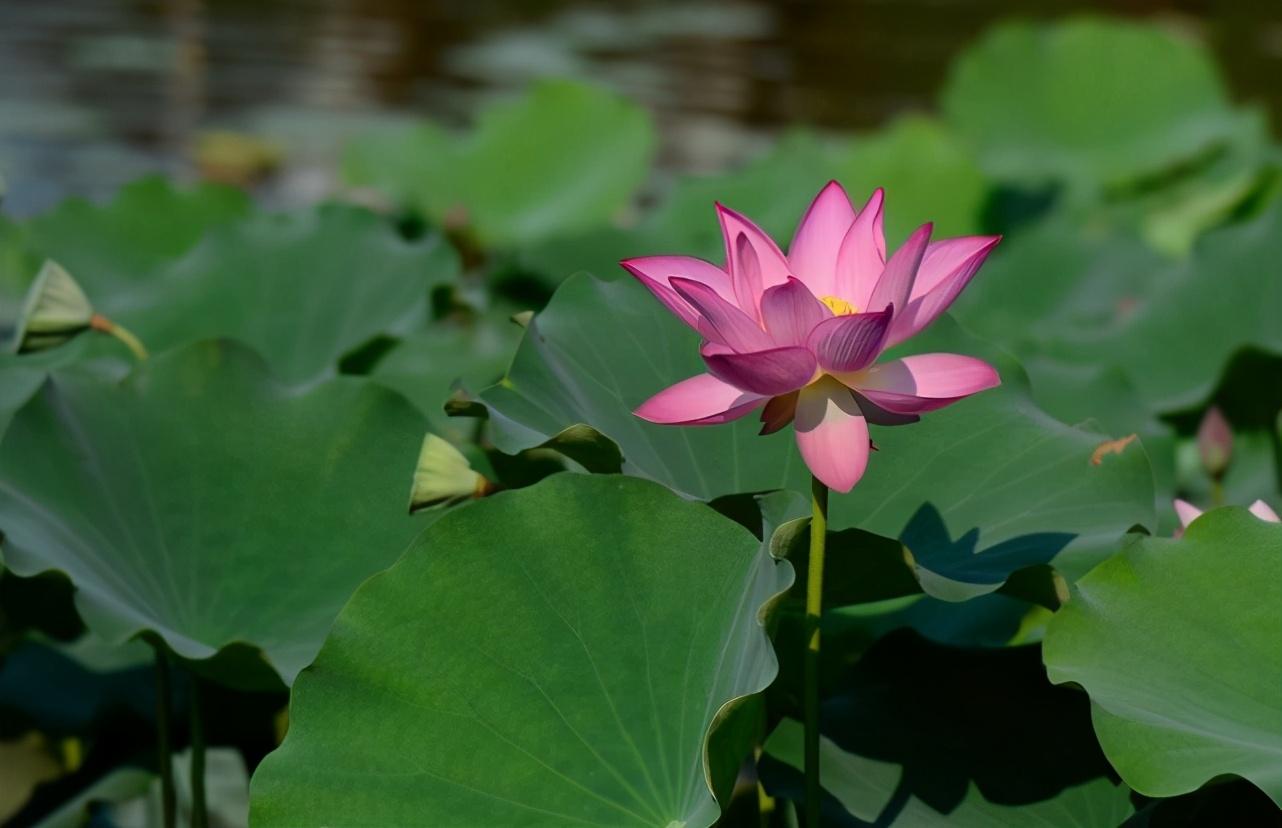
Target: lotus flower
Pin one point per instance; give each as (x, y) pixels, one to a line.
(1188, 513)
(799, 335)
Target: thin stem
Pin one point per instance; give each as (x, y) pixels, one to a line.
(1217, 492)
(164, 741)
(199, 813)
(814, 612)
(101, 323)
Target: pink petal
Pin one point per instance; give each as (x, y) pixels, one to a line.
(832, 435)
(790, 311)
(862, 254)
(772, 372)
(1187, 512)
(812, 255)
(701, 400)
(1263, 511)
(944, 273)
(752, 258)
(721, 321)
(896, 282)
(924, 382)
(849, 343)
(655, 271)
(947, 257)
(778, 412)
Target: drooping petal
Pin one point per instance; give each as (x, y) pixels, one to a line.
(753, 260)
(862, 254)
(1187, 512)
(655, 272)
(1263, 511)
(721, 321)
(849, 343)
(778, 412)
(924, 382)
(790, 312)
(896, 282)
(832, 434)
(701, 400)
(771, 372)
(812, 256)
(945, 271)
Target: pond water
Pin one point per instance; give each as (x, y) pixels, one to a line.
(93, 93)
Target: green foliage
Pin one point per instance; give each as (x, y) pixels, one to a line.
(629, 620)
(564, 158)
(1089, 102)
(206, 503)
(597, 620)
(1178, 644)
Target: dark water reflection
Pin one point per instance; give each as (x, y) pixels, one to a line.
(94, 92)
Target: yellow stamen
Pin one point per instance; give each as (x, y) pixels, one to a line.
(839, 306)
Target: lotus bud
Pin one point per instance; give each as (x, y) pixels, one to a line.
(56, 310)
(443, 475)
(1215, 443)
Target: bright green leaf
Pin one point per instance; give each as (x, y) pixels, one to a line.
(549, 656)
(1179, 643)
(206, 502)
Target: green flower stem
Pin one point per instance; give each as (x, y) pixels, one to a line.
(164, 740)
(814, 612)
(101, 323)
(199, 813)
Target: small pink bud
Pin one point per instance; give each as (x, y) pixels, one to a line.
(1215, 442)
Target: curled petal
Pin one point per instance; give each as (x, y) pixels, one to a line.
(896, 282)
(790, 312)
(946, 269)
(753, 260)
(1263, 511)
(778, 412)
(924, 382)
(832, 434)
(701, 400)
(812, 256)
(721, 321)
(849, 343)
(862, 254)
(771, 372)
(655, 272)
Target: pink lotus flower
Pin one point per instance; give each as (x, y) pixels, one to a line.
(1188, 513)
(799, 334)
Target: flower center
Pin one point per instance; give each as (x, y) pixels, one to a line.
(839, 307)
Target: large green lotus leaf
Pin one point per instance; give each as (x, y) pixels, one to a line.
(1228, 288)
(1101, 299)
(562, 158)
(1179, 643)
(1090, 102)
(206, 502)
(302, 288)
(119, 245)
(921, 733)
(990, 473)
(553, 655)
